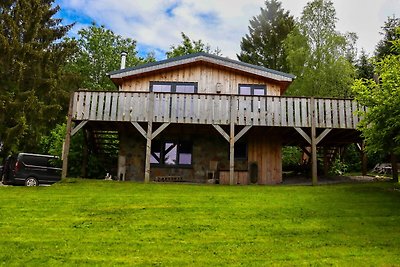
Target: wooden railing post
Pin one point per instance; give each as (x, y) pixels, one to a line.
(314, 171)
(150, 109)
(66, 145)
(232, 141)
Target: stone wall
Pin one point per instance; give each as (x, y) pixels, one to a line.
(208, 145)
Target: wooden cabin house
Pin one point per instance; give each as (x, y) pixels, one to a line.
(202, 117)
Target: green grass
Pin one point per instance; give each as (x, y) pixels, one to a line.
(86, 222)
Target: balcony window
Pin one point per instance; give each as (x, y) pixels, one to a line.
(252, 89)
(173, 87)
(171, 153)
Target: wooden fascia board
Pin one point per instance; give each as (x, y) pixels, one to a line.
(119, 77)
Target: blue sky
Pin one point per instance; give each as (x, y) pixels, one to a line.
(157, 24)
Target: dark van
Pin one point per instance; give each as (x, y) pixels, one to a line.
(31, 169)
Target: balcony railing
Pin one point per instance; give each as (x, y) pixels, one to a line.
(215, 109)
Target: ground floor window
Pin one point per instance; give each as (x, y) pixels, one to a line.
(171, 153)
(240, 151)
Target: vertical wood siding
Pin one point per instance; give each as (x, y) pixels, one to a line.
(207, 78)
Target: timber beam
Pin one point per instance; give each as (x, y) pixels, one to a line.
(313, 140)
(232, 139)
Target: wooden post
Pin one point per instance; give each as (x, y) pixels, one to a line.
(314, 171)
(232, 142)
(149, 136)
(395, 173)
(67, 141)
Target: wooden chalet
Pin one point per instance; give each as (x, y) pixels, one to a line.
(200, 117)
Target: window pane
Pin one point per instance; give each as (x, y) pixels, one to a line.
(155, 153)
(185, 158)
(259, 91)
(162, 88)
(240, 150)
(185, 153)
(185, 88)
(170, 154)
(244, 90)
(155, 157)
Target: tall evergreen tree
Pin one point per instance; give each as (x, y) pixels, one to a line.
(364, 67)
(318, 55)
(390, 34)
(32, 53)
(263, 45)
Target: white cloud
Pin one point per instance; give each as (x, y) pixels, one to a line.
(220, 23)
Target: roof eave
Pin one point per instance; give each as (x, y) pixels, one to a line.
(118, 76)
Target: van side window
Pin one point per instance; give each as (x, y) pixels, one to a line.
(34, 161)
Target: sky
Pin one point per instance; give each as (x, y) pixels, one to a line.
(157, 24)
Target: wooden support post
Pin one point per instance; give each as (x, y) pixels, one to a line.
(232, 142)
(149, 137)
(67, 141)
(314, 171)
(395, 173)
(85, 154)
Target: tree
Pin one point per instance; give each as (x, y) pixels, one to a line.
(380, 125)
(190, 47)
(384, 47)
(263, 45)
(318, 54)
(364, 66)
(99, 53)
(32, 53)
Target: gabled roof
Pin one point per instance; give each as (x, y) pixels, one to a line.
(118, 75)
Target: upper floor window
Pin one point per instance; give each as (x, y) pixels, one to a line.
(252, 89)
(173, 87)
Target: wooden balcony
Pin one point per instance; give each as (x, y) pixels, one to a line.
(215, 109)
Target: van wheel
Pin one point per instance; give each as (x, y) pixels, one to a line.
(31, 181)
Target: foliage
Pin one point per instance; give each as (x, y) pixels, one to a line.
(263, 45)
(190, 47)
(99, 53)
(89, 222)
(380, 125)
(338, 167)
(291, 157)
(318, 55)
(32, 98)
(52, 144)
(384, 47)
(364, 67)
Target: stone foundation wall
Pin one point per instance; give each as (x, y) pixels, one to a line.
(208, 145)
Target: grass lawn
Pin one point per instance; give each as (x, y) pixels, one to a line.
(88, 222)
